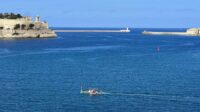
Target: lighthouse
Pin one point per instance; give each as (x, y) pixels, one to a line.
(37, 19)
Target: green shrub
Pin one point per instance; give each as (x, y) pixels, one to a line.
(10, 16)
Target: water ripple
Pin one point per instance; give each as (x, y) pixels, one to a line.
(90, 48)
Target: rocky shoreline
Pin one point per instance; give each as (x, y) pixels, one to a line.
(27, 34)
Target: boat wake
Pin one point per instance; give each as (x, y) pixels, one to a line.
(195, 99)
(157, 96)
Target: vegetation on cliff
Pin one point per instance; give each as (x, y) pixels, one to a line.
(23, 27)
(9, 16)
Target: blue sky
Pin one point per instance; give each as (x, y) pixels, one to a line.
(110, 13)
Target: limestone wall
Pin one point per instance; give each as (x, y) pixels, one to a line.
(26, 27)
(10, 23)
(189, 32)
(194, 31)
(41, 25)
(26, 33)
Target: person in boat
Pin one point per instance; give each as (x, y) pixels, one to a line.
(93, 92)
(90, 91)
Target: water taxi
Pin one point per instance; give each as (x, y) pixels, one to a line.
(91, 91)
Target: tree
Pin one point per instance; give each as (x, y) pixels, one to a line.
(19, 16)
(5, 15)
(23, 26)
(10, 16)
(31, 26)
(1, 16)
(17, 26)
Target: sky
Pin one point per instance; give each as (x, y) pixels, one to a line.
(110, 13)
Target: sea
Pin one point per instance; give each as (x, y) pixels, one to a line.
(138, 73)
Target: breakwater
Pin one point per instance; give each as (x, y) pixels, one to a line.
(100, 31)
(189, 32)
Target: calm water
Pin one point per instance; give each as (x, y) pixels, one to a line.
(45, 75)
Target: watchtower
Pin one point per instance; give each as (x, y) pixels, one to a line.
(37, 19)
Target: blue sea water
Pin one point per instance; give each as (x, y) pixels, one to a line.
(142, 73)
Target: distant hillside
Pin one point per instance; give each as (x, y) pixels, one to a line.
(10, 16)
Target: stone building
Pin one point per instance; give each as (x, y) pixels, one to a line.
(25, 27)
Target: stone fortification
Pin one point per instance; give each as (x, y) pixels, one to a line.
(26, 33)
(189, 32)
(24, 27)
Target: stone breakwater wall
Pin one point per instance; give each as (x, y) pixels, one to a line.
(189, 32)
(27, 33)
(95, 31)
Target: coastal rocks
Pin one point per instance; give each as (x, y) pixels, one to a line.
(27, 34)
